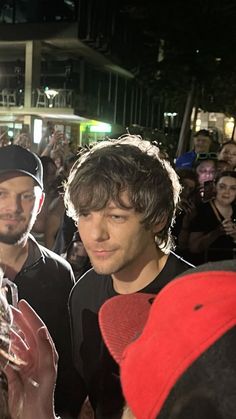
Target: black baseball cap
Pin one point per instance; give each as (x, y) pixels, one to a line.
(14, 158)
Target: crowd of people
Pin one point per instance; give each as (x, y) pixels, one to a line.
(106, 224)
(205, 228)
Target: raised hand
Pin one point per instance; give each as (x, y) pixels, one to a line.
(32, 382)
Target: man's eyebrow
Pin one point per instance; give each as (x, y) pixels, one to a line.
(116, 206)
(113, 206)
(24, 191)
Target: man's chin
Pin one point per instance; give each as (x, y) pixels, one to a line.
(12, 240)
(101, 270)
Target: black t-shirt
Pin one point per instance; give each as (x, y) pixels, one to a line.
(92, 360)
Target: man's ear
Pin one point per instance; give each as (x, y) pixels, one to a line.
(156, 228)
(41, 201)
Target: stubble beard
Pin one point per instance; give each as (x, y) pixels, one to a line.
(103, 269)
(14, 239)
(19, 237)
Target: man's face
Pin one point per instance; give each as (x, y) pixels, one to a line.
(115, 240)
(20, 201)
(202, 144)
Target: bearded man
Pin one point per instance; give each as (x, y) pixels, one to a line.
(42, 277)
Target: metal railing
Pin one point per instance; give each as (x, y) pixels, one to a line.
(63, 98)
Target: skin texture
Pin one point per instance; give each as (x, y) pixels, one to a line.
(201, 144)
(118, 244)
(226, 190)
(228, 154)
(20, 202)
(205, 171)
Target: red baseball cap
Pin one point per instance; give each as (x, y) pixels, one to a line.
(156, 343)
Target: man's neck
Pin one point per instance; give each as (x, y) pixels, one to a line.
(134, 279)
(13, 257)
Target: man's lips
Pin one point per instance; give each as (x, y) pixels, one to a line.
(11, 219)
(102, 252)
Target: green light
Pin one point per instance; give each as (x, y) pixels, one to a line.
(100, 128)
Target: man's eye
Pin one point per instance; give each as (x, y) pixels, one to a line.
(28, 196)
(83, 214)
(117, 217)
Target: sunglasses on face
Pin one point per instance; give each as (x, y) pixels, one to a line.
(206, 156)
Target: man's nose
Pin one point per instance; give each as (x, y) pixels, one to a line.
(14, 204)
(99, 228)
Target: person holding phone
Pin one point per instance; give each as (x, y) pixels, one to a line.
(205, 167)
(213, 230)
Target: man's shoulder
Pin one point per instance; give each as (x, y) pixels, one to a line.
(174, 266)
(92, 286)
(48, 270)
(177, 263)
(92, 279)
(54, 258)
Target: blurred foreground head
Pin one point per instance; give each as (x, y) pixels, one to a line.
(177, 351)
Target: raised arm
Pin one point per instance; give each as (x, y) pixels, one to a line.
(31, 384)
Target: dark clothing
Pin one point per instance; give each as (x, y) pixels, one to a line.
(45, 282)
(186, 160)
(77, 256)
(96, 367)
(64, 235)
(205, 221)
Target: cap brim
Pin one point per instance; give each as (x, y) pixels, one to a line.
(122, 319)
(5, 171)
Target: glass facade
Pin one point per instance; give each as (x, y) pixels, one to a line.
(35, 11)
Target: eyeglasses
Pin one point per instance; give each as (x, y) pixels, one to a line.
(206, 156)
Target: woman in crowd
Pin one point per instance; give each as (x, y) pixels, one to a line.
(228, 153)
(56, 209)
(51, 192)
(58, 158)
(205, 167)
(186, 211)
(213, 230)
(24, 140)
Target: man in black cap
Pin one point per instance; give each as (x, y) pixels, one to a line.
(43, 278)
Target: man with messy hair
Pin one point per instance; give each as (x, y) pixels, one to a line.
(123, 197)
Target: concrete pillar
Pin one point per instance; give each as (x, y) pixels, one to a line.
(32, 70)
